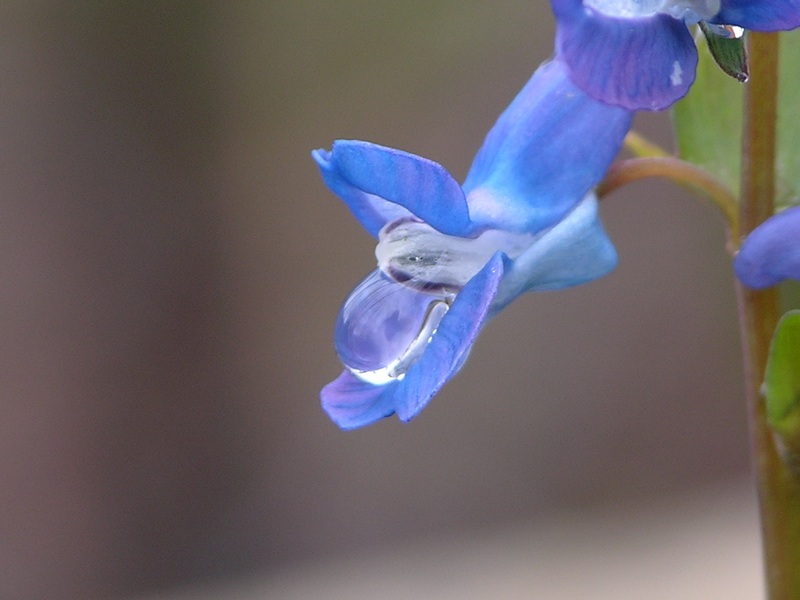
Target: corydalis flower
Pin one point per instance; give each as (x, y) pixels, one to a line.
(451, 256)
(639, 54)
(771, 253)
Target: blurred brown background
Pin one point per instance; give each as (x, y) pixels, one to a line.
(171, 266)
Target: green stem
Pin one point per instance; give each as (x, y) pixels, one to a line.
(681, 172)
(641, 147)
(778, 487)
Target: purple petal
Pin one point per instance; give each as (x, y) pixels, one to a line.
(771, 253)
(371, 211)
(760, 15)
(575, 251)
(450, 345)
(548, 148)
(641, 63)
(352, 403)
(420, 185)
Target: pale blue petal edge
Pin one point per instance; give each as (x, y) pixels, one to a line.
(575, 251)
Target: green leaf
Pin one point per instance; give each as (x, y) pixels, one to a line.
(728, 51)
(782, 380)
(708, 121)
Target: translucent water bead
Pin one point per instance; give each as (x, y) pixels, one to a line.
(384, 327)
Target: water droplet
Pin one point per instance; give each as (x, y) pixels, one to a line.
(384, 327)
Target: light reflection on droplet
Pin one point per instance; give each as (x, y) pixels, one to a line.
(396, 370)
(726, 31)
(384, 327)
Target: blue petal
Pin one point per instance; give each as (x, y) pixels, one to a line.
(760, 15)
(548, 148)
(771, 253)
(371, 211)
(351, 402)
(420, 185)
(642, 63)
(450, 345)
(575, 251)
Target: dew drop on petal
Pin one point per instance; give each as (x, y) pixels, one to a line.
(384, 327)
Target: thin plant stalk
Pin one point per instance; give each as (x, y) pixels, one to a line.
(778, 487)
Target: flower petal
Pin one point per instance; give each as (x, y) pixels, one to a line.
(373, 212)
(420, 185)
(771, 253)
(351, 402)
(760, 15)
(640, 63)
(575, 251)
(548, 148)
(450, 345)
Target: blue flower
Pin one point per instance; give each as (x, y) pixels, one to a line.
(639, 54)
(771, 253)
(451, 256)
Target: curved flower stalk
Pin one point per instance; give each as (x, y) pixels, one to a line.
(771, 253)
(639, 54)
(451, 256)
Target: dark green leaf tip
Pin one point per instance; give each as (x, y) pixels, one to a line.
(727, 46)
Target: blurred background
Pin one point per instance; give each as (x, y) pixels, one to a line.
(171, 266)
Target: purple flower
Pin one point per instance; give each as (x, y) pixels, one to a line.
(451, 256)
(771, 253)
(639, 54)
